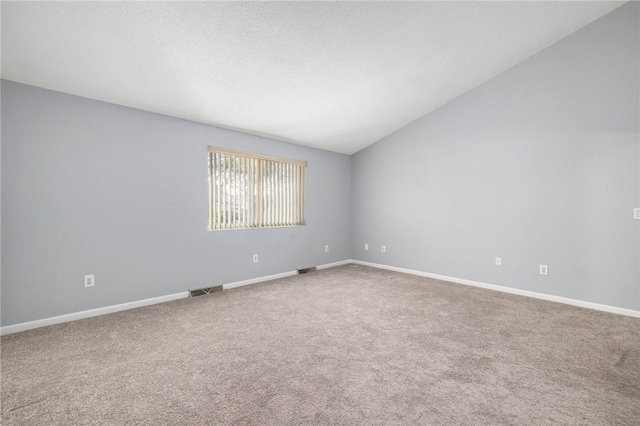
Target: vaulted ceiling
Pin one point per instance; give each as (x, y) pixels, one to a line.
(336, 76)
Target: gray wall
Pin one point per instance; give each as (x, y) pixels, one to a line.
(95, 188)
(540, 165)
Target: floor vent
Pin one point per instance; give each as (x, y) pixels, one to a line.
(306, 270)
(204, 290)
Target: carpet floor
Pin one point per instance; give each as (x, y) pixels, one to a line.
(350, 345)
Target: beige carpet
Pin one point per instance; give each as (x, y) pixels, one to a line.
(350, 345)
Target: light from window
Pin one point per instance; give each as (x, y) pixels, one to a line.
(254, 191)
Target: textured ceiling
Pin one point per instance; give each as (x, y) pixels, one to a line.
(336, 76)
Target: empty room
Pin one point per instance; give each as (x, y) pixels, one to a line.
(346, 213)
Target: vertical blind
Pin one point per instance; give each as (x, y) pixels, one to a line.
(254, 191)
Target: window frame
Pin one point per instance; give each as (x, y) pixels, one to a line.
(259, 199)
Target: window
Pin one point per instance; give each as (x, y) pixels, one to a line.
(254, 191)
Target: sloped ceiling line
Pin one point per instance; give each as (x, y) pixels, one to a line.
(335, 76)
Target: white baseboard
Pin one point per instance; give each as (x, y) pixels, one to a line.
(282, 275)
(334, 264)
(551, 298)
(9, 329)
(15, 328)
(258, 280)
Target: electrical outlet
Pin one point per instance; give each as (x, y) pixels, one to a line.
(255, 258)
(544, 270)
(89, 280)
(383, 249)
(636, 213)
(326, 249)
(366, 246)
(498, 261)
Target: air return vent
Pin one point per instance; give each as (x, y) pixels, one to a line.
(306, 270)
(204, 290)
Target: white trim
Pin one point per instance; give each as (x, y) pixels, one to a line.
(258, 280)
(527, 293)
(334, 264)
(15, 328)
(282, 275)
